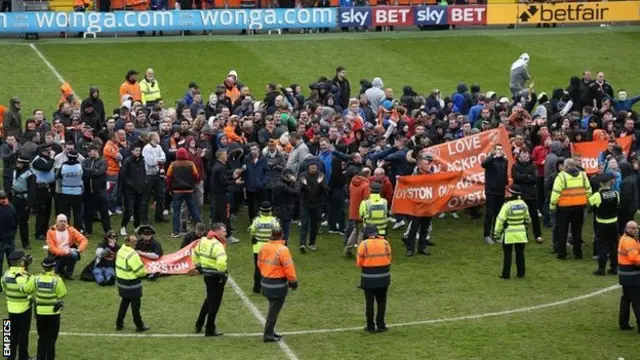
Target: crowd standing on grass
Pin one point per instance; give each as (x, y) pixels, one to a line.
(323, 155)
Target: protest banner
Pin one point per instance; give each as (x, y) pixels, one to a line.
(423, 195)
(176, 263)
(591, 150)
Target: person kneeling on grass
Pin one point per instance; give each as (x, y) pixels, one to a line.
(148, 247)
(65, 244)
(102, 269)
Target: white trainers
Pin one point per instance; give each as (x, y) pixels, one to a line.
(123, 231)
(398, 225)
(488, 240)
(110, 213)
(324, 223)
(165, 212)
(232, 240)
(391, 220)
(455, 215)
(118, 211)
(442, 215)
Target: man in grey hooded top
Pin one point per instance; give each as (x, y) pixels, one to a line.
(519, 74)
(375, 94)
(551, 160)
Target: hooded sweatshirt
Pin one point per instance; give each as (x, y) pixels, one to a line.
(358, 192)
(12, 119)
(552, 159)
(462, 100)
(375, 94)
(519, 73)
(98, 105)
(182, 174)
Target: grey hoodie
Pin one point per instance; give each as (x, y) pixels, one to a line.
(375, 94)
(552, 159)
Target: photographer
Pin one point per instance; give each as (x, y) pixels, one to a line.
(104, 271)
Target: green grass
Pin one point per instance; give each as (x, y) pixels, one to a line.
(459, 279)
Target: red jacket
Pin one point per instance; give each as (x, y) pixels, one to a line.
(538, 156)
(358, 191)
(387, 189)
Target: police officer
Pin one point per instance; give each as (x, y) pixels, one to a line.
(260, 230)
(18, 303)
(210, 259)
(49, 290)
(605, 206)
(511, 228)
(129, 270)
(374, 258)
(571, 191)
(373, 211)
(629, 275)
(23, 191)
(42, 167)
(277, 275)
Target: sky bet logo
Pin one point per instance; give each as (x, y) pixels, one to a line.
(377, 16)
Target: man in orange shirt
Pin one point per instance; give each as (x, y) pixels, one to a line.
(131, 87)
(629, 275)
(278, 274)
(374, 258)
(65, 244)
(113, 158)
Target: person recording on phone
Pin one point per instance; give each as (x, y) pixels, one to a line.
(495, 174)
(221, 181)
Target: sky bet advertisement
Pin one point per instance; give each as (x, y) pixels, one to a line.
(265, 19)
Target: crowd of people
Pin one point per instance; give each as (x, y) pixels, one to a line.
(329, 157)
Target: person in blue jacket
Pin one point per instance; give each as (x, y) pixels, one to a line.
(623, 102)
(462, 99)
(612, 167)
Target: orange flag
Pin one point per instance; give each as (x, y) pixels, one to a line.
(424, 195)
(591, 150)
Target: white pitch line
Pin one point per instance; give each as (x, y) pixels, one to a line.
(259, 316)
(46, 62)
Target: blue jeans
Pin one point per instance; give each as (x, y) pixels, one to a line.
(103, 275)
(66, 264)
(286, 226)
(336, 216)
(176, 202)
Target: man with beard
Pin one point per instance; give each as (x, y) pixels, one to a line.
(150, 89)
(23, 195)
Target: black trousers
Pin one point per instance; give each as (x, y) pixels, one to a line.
(222, 211)
(310, 219)
(535, 220)
(507, 250)
(630, 299)
(20, 327)
(155, 186)
(43, 209)
(573, 215)
(275, 305)
(492, 206)
(20, 204)
(96, 203)
(417, 224)
(132, 206)
(135, 311)
(214, 286)
(7, 183)
(607, 235)
(48, 329)
(254, 198)
(256, 275)
(67, 203)
(380, 297)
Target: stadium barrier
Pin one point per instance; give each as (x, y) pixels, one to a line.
(316, 18)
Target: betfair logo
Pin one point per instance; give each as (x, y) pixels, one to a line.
(564, 13)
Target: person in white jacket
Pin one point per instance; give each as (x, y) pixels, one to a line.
(154, 160)
(519, 75)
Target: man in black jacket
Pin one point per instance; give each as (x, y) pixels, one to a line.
(42, 167)
(98, 106)
(9, 153)
(133, 178)
(285, 194)
(628, 196)
(94, 170)
(220, 183)
(23, 196)
(8, 227)
(524, 174)
(12, 117)
(495, 182)
(313, 192)
(341, 81)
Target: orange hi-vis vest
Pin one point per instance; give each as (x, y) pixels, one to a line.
(130, 89)
(629, 261)
(374, 258)
(277, 269)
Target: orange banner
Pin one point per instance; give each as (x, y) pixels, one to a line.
(466, 155)
(177, 263)
(423, 195)
(592, 149)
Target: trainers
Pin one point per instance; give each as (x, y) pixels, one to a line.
(539, 240)
(442, 215)
(175, 235)
(391, 220)
(488, 240)
(334, 232)
(119, 211)
(324, 223)
(313, 248)
(123, 231)
(110, 213)
(165, 212)
(232, 240)
(303, 249)
(455, 216)
(398, 225)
